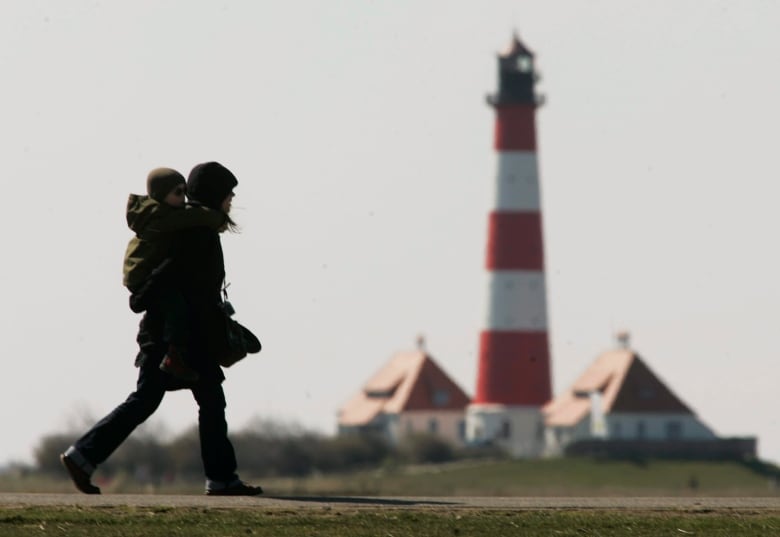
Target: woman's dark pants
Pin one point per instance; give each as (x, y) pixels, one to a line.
(219, 459)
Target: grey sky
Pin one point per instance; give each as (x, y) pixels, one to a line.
(363, 147)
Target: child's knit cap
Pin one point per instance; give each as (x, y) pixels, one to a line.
(161, 181)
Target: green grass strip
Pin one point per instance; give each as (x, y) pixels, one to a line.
(194, 522)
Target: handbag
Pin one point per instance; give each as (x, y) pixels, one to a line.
(239, 340)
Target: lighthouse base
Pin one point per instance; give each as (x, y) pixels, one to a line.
(517, 429)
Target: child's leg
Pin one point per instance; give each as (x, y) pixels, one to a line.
(176, 325)
(176, 333)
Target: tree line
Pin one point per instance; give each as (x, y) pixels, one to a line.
(269, 449)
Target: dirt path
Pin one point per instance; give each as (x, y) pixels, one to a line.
(295, 503)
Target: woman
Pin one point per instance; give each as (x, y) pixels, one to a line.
(199, 267)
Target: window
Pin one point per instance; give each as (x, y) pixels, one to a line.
(673, 430)
(617, 430)
(540, 431)
(462, 429)
(524, 64)
(506, 430)
(647, 392)
(640, 429)
(433, 426)
(441, 397)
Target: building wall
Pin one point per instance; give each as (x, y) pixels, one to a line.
(557, 438)
(643, 426)
(449, 425)
(629, 426)
(517, 429)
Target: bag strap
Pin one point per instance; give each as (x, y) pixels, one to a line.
(226, 305)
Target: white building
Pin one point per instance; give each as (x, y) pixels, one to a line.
(619, 398)
(410, 394)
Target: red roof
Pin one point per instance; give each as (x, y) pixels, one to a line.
(516, 48)
(409, 381)
(626, 384)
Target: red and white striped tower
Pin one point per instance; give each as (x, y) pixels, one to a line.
(513, 380)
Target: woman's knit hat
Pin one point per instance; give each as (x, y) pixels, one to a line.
(161, 181)
(210, 183)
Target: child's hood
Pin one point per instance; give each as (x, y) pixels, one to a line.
(141, 210)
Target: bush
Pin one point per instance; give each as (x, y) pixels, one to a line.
(482, 451)
(425, 448)
(184, 453)
(272, 456)
(350, 452)
(304, 453)
(146, 458)
(266, 448)
(47, 453)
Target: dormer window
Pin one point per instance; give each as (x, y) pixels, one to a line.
(376, 392)
(647, 392)
(441, 398)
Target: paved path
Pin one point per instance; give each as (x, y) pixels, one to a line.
(295, 503)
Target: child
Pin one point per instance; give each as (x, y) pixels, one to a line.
(154, 219)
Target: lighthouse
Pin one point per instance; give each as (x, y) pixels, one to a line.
(513, 376)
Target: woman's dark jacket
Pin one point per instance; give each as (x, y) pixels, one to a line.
(198, 270)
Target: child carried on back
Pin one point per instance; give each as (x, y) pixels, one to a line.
(155, 218)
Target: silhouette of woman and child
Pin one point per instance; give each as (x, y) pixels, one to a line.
(174, 270)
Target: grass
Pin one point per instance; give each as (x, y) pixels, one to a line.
(554, 477)
(560, 477)
(195, 522)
